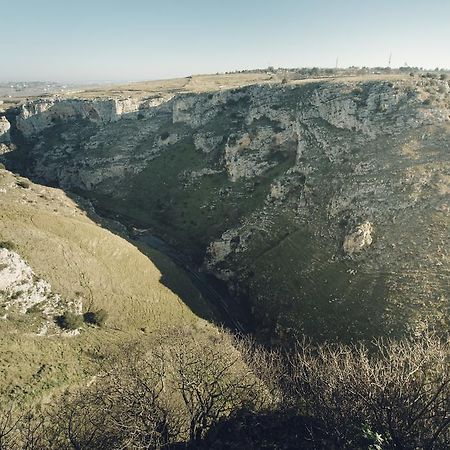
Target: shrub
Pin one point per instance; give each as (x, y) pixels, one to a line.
(9, 245)
(70, 321)
(151, 395)
(164, 135)
(2, 166)
(193, 385)
(96, 317)
(23, 183)
(16, 295)
(35, 309)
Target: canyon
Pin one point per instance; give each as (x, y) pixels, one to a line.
(322, 205)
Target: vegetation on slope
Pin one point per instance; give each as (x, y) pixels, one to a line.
(186, 388)
(84, 264)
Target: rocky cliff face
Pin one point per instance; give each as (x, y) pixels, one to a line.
(324, 205)
(36, 116)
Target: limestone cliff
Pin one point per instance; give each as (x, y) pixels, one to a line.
(37, 115)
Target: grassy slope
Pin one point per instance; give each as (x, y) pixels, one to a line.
(79, 258)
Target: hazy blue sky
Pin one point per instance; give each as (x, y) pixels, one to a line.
(87, 40)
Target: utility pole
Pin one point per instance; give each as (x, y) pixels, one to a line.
(390, 59)
(337, 62)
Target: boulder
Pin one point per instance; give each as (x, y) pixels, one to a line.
(359, 239)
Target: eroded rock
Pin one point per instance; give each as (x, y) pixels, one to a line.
(359, 239)
(23, 292)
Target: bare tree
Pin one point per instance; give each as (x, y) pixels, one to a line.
(399, 393)
(150, 395)
(208, 372)
(178, 385)
(9, 418)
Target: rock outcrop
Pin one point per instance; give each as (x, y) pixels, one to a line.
(25, 293)
(5, 126)
(37, 115)
(359, 239)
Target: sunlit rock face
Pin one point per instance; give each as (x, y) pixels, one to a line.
(359, 239)
(323, 205)
(5, 126)
(24, 293)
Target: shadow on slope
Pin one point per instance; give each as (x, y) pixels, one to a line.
(207, 297)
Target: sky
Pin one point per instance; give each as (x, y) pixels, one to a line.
(130, 40)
